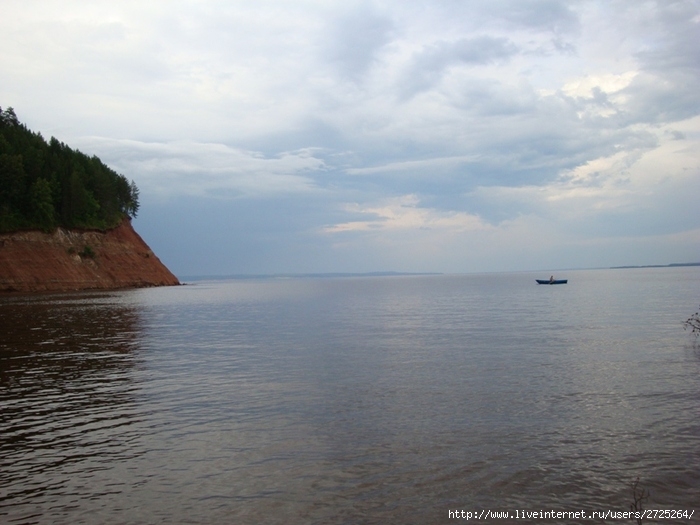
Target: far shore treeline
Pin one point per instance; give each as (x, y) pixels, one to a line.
(46, 185)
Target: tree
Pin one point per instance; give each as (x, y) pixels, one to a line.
(41, 204)
(80, 206)
(12, 185)
(44, 185)
(133, 205)
(8, 117)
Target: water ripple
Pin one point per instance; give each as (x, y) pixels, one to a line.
(346, 401)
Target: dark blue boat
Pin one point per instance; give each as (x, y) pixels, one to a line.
(547, 281)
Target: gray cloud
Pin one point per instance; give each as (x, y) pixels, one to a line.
(555, 16)
(427, 67)
(430, 125)
(672, 38)
(352, 41)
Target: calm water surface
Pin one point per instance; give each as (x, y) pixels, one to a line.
(356, 400)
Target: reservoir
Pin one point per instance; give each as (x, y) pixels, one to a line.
(351, 400)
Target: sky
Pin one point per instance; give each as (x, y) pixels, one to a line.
(312, 136)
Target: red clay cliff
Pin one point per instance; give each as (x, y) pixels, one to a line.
(33, 261)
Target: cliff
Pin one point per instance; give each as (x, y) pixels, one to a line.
(33, 261)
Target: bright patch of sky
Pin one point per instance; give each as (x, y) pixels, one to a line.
(312, 136)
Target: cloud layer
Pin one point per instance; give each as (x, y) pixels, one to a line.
(442, 136)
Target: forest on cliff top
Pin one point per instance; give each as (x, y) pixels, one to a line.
(44, 185)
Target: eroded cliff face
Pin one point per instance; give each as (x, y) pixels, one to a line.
(79, 260)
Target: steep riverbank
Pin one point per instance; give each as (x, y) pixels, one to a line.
(34, 261)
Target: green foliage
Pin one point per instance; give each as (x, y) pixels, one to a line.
(41, 204)
(87, 252)
(45, 185)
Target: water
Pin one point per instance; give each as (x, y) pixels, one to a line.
(356, 400)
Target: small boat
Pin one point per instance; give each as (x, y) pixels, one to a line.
(547, 281)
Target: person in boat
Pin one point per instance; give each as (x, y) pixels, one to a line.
(551, 279)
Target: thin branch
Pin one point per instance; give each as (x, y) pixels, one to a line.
(639, 497)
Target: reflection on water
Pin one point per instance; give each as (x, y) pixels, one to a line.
(348, 401)
(66, 401)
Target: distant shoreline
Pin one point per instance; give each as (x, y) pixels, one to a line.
(672, 265)
(329, 275)
(336, 275)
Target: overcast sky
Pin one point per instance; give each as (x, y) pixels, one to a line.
(351, 136)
